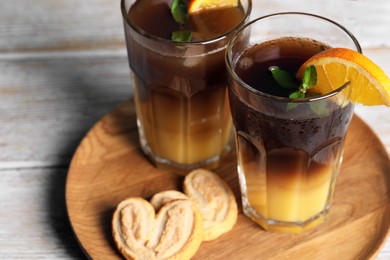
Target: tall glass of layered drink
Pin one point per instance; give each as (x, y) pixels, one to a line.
(180, 88)
(289, 150)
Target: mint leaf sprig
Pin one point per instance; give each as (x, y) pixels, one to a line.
(182, 36)
(283, 78)
(309, 81)
(287, 81)
(179, 11)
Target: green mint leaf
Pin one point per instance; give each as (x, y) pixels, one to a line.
(283, 78)
(297, 94)
(309, 79)
(182, 36)
(286, 80)
(179, 11)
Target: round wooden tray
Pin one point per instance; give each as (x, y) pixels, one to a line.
(109, 166)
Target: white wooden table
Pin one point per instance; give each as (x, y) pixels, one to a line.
(63, 65)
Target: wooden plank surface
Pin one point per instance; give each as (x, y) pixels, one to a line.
(48, 104)
(62, 66)
(33, 219)
(47, 25)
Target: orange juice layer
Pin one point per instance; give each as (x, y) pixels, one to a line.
(292, 200)
(186, 130)
(290, 188)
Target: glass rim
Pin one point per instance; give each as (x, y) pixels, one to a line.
(278, 98)
(150, 36)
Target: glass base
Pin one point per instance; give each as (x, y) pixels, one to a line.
(283, 226)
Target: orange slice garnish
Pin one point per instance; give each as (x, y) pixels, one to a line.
(336, 66)
(199, 5)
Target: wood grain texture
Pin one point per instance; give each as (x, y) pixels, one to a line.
(47, 25)
(109, 167)
(62, 66)
(33, 219)
(49, 104)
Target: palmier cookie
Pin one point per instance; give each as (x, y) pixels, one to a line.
(213, 197)
(175, 232)
(215, 200)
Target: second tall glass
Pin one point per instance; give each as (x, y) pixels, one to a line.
(180, 92)
(289, 150)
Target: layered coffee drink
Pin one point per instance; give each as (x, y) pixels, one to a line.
(289, 154)
(180, 88)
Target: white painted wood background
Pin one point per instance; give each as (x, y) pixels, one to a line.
(63, 66)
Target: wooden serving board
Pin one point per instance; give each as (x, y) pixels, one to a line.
(109, 166)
